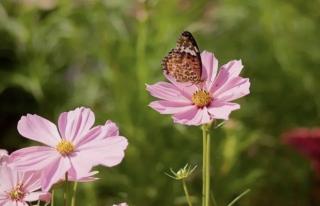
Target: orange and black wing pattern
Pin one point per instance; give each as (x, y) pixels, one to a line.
(183, 62)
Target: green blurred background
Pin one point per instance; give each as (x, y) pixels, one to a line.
(57, 55)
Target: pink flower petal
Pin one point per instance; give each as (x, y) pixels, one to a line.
(3, 152)
(222, 110)
(95, 133)
(233, 67)
(205, 116)
(7, 179)
(166, 91)
(33, 158)
(196, 119)
(3, 157)
(108, 152)
(187, 89)
(236, 88)
(111, 128)
(201, 117)
(16, 204)
(81, 164)
(38, 129)
(86, 178)
(34, 196)
(76, 123)
(226, 74)
(209, 68)
(93, 148)
(55, 172)
(115, 153)
(166, 107)
(31, 180)
(185, 116)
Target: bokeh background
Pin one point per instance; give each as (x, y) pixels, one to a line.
(57, 55)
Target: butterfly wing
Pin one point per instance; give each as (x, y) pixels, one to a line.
(184, 62)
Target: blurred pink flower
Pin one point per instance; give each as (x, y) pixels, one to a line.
(17, 188)
(3, 156)
(75, 147)
(192, 104)
(307, 142)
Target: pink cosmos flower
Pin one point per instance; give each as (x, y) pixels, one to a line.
(17, 188)
(307, 142)
(74, 147)
(192, 104)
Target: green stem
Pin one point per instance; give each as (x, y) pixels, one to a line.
(239, 197)
(206, 166)
(204, 148)
(52, 198)
(186, 192)
(73, 200)
(142, 70)
(213, 199)
(66, 190)
(207, 202)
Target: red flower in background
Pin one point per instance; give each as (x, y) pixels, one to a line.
(307, 142)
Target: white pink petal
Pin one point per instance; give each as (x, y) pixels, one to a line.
(38, 129)
(73, 125)
(54, 172)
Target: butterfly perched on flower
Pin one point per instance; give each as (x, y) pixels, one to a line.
(183, 62)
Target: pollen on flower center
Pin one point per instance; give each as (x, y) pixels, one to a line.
(17, 193)
(201, 98)
(65, 147)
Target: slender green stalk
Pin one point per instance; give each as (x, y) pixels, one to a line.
(74, 194)
(213, 199)
(206, 166)
(52, 198)
(141, 68)
(66, 190)
(204, 148)
(239, 197)
(207, 193)
(186, 192)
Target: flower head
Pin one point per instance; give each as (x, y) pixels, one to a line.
(307, 142)
(73, 147)
(211, 99)
(182, 173)
(18, 188)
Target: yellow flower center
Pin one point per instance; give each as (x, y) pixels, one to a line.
(17, 193)
(201, 98)
(65, 147)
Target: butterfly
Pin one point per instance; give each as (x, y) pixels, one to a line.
(183, 62)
